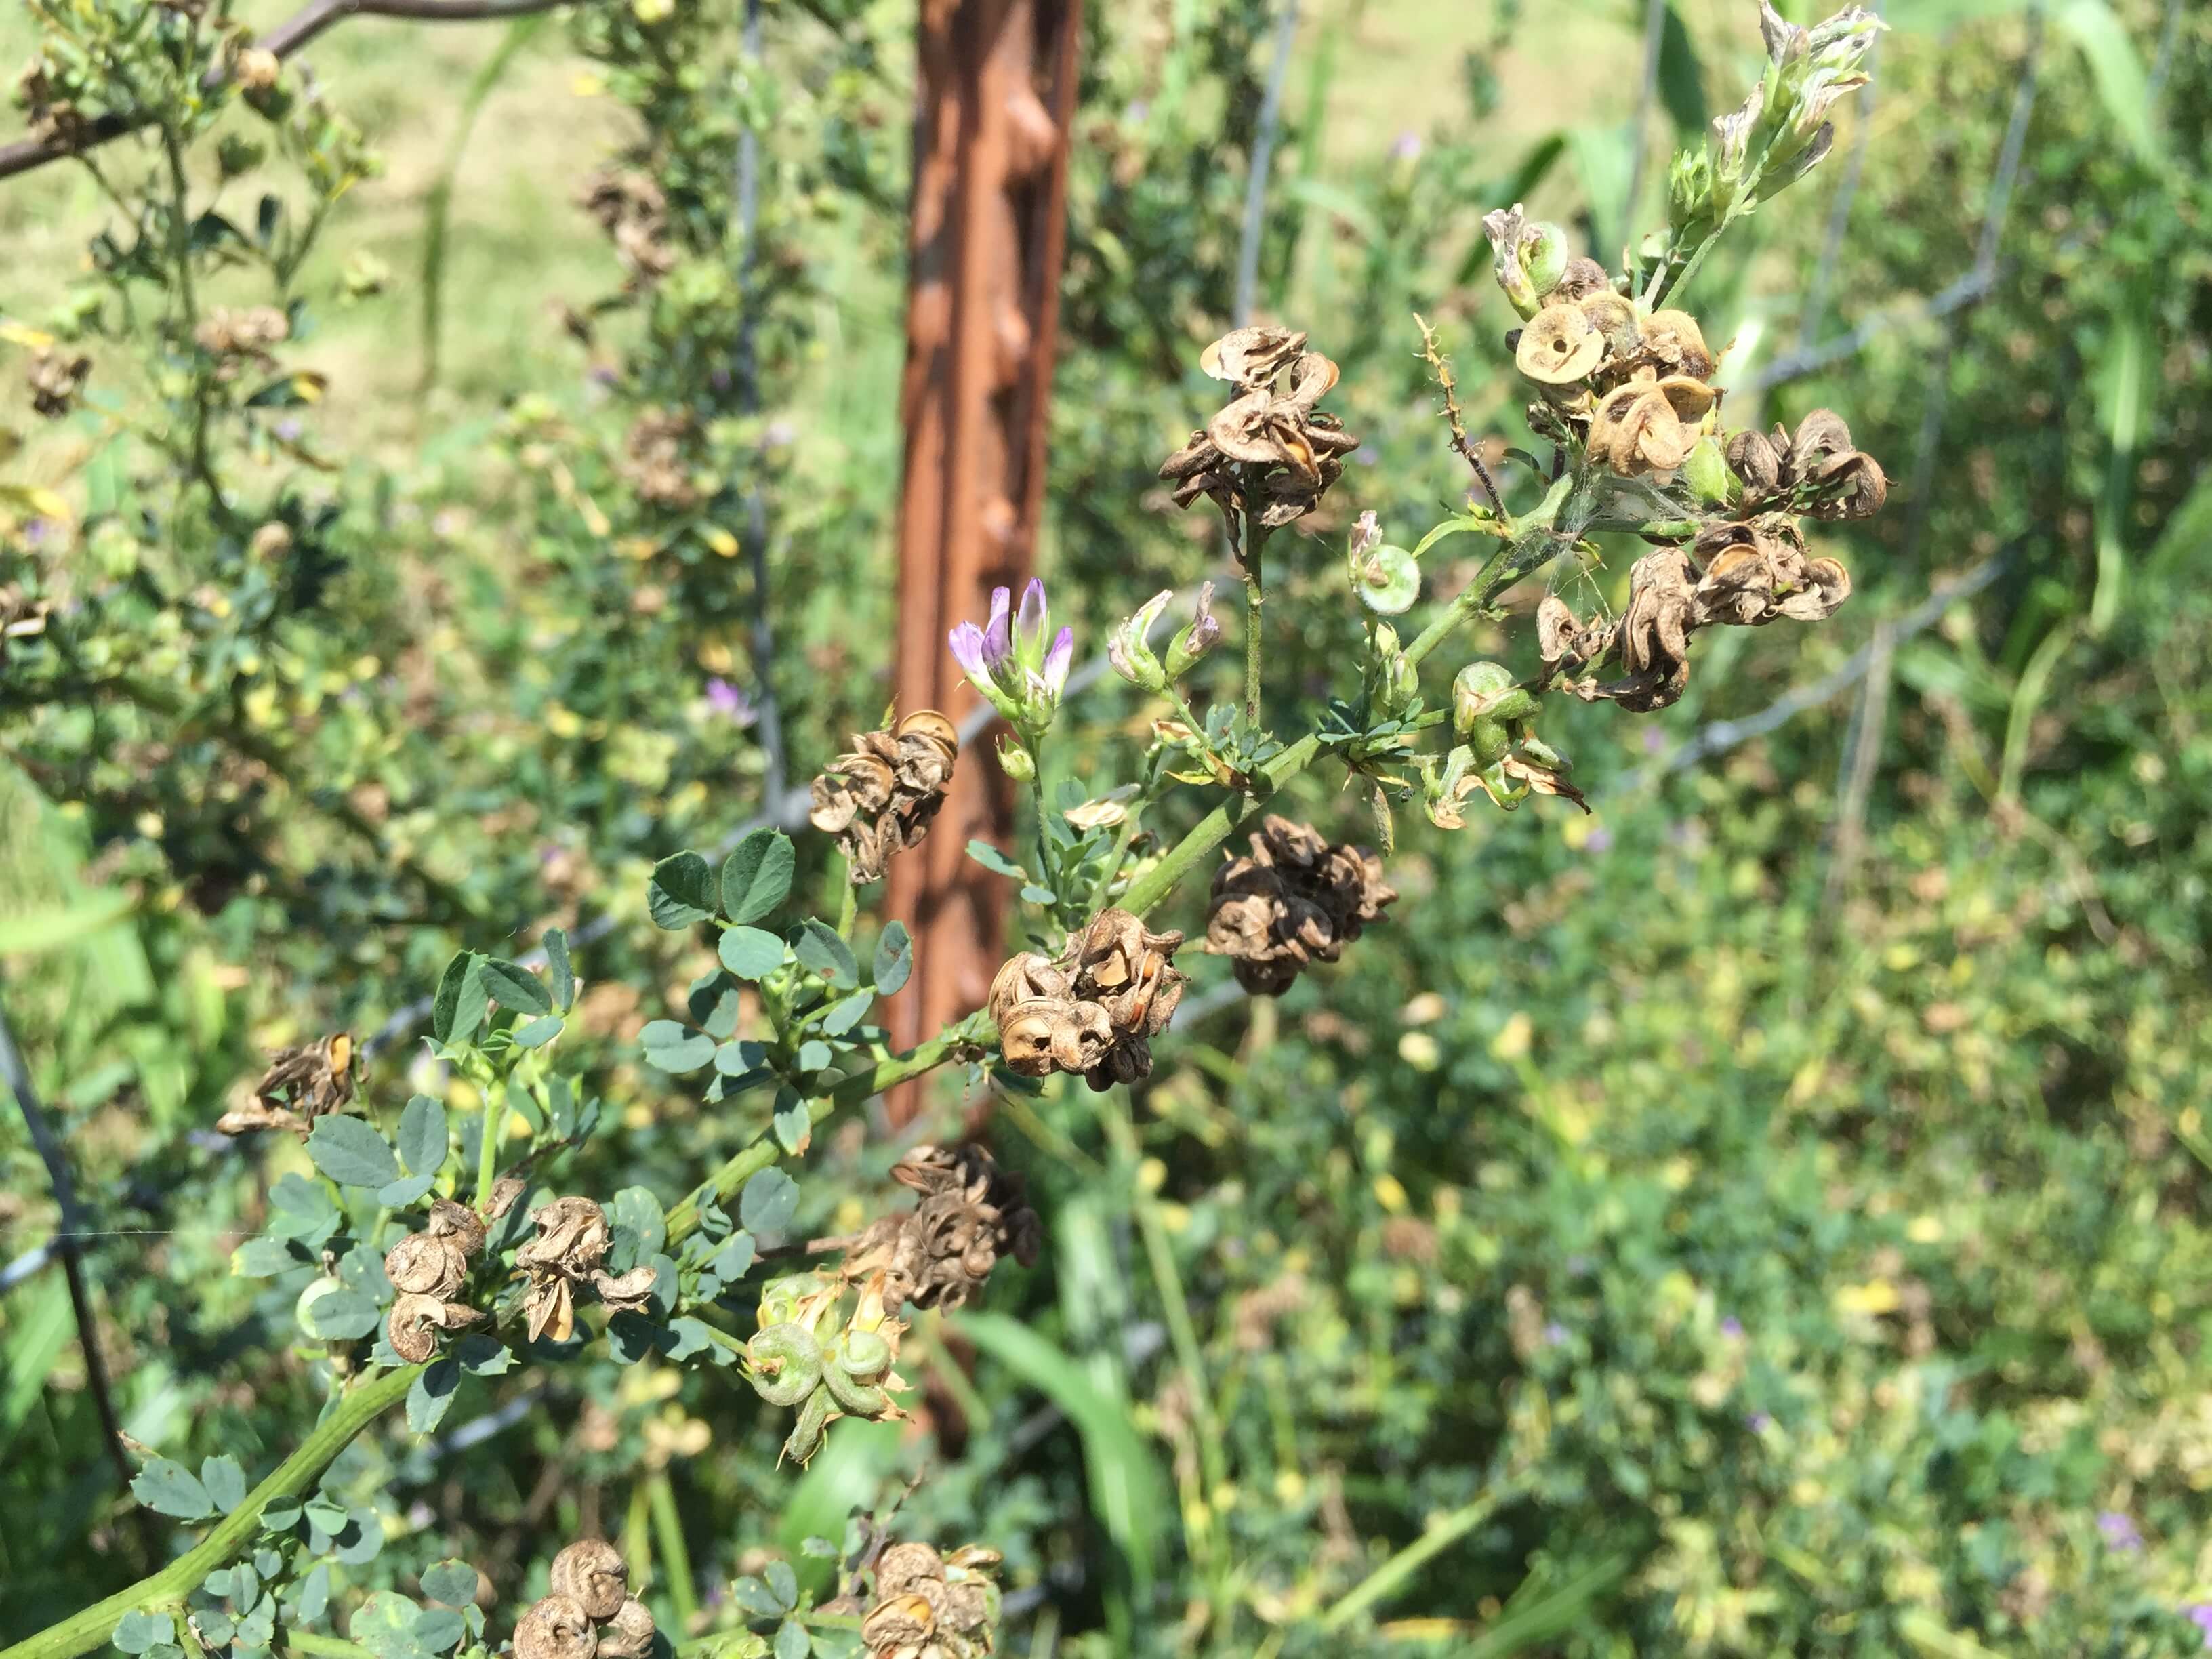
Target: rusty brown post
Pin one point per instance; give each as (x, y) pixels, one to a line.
(997, 98)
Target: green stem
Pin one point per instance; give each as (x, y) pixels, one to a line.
(494, 1125)
(668, 1530)
(1217, 826)
(84, 1631)
(727, 1182)
(1439, 1536)
(1254, 597)
(848, 904)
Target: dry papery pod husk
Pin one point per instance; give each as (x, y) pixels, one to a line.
(301, 1084)
(879, 797)
(928, 1605)
(654, 462)
(1095, 1008)
(591, 1570)
(629, 1633)
(249, 332)
(1297, 899)
(971, 1214)
(1268, 449)
(556, 1628)
(1842, 481)
(55, 380)
(416, 1320)
(573, 1238)
(1649, 425)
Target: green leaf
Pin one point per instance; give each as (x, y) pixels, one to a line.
(1681, 76)
(398, 1194)
(820, 1549)
(675, 1048)
(992, 859)
(461, 1003)
(752, 953)
(513, 985)
(438, 1629)
(49, 927)
(315, 1595)
(170, 1488)
(280, 1515)
(893, 959)
(845, 1015)
(734, 1258)
(639, 1228)
(757, 876)
(754, 1597)
(681, 892)
(794, 1124)
(792, 1641)
(769, 1200)
(539, 1032)
(813, 1054)
(783, 1584)
(558, 970)
(431, 1393)
(820, 951)
(137, 1631)
(384, 1625)
(453, 1581)
(1126, 1487)
(225, 1482)
(264, 1257)
(423, 1134)
(351, 1153)
(484, 1356)
(338, 1316)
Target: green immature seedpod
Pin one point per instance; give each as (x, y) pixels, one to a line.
(806, 1434)
(1706, 473)
(1484, 695)
(784, 1363)
(864, 1355)
(1544, 255)
(1016, 762)
(1390, 581)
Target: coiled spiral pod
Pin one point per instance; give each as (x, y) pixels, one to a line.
(784, 1363)
(813, 1418)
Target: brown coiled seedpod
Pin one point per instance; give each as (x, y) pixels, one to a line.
(1297, 899)
(879, 797)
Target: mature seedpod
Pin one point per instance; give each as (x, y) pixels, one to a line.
(301, 1085)
(593, 1572)
(806, 1438)
(880, 797)
(422, 1265)
(556, 1628)
(940, 1607)
(628, 1632)
(414, 1321)
(1559, 347)
(1095, 1008)
(1268, 452)
(1295, 900)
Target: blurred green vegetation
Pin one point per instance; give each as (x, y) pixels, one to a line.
(1765, 1215)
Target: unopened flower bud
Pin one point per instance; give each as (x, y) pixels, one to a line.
(1185, 650)
(1016, 762)
(1130, 654)
(1505, 228)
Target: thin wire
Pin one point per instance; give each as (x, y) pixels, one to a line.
(1263, 150)
(18, 1076)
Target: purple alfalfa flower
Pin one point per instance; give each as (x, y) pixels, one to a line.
(982, 652)
(1555, 1333)
(2201, 1616)
(1407, 147)
(1757, 1422)
(730, 702)
(2118, 1531)
(1599, 840)
(1732, 1328)
(1057, 661)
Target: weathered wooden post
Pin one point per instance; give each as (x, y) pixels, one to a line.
(997, 98)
